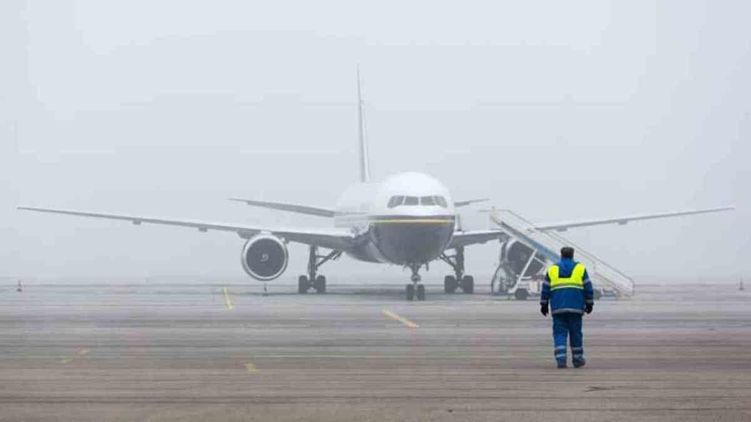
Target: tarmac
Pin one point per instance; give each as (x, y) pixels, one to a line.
(154, 351)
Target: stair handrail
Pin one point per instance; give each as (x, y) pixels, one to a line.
(597, 262)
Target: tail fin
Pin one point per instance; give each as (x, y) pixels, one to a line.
(364, 161)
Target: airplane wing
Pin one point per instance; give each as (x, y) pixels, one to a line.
(624, 220)
(301, 209)
(339, 239)
(466, 238)
(473, 237)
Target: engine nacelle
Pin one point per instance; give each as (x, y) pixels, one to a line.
(264, 257)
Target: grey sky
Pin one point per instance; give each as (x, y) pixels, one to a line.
(558, 110)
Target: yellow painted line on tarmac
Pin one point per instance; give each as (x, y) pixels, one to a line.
(399, 318)
(227, 301)
(250, 368)
(79, 354)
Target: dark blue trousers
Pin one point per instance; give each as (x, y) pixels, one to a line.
(568, 326)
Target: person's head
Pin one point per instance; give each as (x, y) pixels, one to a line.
(567, 252)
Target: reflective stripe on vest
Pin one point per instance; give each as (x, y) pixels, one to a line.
(576, 281)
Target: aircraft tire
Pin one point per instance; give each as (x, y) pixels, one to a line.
(410, 291)
(449, 284)
(320, 284)
(420, 292)
(468, 284)
(302, 285)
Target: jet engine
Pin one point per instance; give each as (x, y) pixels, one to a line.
(264, 257)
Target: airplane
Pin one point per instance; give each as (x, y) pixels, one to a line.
(408, 219)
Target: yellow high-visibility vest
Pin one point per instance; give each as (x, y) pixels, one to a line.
(575, 281)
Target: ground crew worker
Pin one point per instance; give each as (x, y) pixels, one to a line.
(568, 290)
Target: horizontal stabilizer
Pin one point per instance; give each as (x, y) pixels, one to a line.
(469, 202)
(300, 209)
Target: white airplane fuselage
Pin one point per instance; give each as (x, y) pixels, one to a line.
(407, 219)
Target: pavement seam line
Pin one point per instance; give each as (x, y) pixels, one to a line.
(227, 301)
(399, 318)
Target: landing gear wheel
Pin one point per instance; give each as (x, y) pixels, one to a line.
(410, 291)
(468, 284)
(420, 292)
(302, 285)
(521, 294)
(449, 284)
(312, 279)
(320, 284)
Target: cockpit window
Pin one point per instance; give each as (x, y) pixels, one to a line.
(411, 200)
(431, 200)
(427, 200)
(395, 201)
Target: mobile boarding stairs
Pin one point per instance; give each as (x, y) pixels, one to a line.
(527, 252)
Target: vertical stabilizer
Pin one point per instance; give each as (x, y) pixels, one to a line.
(364, 161)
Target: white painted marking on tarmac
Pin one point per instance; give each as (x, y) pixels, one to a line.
(227, 301)
(399, 318)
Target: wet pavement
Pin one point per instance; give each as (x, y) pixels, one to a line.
(226, 352)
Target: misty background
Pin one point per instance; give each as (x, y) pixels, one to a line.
(557, 110)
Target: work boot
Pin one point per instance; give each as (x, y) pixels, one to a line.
(561, 364)
(578, 363)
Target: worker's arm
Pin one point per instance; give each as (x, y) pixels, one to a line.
(544, 296)
(545, 293)
(589, 294)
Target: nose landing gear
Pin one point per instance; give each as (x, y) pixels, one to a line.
(416, 289)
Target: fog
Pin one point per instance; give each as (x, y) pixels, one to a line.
(557, 110)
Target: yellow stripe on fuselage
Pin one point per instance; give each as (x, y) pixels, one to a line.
(415, 221)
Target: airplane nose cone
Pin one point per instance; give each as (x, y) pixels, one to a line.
(412, 240)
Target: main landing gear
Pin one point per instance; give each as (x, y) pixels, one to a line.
(317, 282)
(459, 280)
(415, 290)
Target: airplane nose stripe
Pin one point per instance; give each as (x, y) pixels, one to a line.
(412, 219)
(420, 221)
